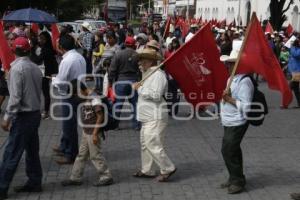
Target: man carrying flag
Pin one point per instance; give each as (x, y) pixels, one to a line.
(236, 101)
(254, 55)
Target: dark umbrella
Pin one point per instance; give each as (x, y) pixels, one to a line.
(30, 15)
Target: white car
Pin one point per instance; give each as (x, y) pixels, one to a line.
(96, 24)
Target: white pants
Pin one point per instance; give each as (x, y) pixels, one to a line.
(89, 150)
(153, 151)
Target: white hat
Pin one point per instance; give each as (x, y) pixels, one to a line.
(221, 31)
(194, 26)
(87, 26)
(236, 47)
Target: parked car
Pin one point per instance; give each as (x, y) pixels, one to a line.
(96, 24)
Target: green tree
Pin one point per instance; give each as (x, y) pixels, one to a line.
(277, 11)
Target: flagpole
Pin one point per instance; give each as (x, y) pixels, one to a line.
(240, 53)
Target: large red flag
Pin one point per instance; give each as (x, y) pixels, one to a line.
(55, 35)
(269, 28)
(6, 55)
(197, 68)
(167, 28)
(289, 30)
(258, 57)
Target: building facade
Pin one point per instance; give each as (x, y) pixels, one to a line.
(241, 10)
(168, 7)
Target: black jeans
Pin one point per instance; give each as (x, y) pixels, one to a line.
(232, 153)
(46, 93)
(88, 59)
(23, 136)
(294, 85)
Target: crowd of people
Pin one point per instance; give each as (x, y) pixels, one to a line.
(119, 60)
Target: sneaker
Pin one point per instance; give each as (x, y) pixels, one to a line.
(63, 161)
(225, 185)
(104, 182)
(235, 189)
(45, 115)
(69, 182)
(295, 196)
(27, 188)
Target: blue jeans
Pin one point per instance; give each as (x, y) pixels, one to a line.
(69, 139)
(123, 90)
(23, 136)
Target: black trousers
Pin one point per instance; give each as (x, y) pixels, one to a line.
(232, 153)
(46, 93)
(294, 85)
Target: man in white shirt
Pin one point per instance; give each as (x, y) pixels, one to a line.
(236, 103)
(194, 28)
(152, 112)
(71, 67)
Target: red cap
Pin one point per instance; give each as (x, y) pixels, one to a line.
(129, 41)
(21, 43)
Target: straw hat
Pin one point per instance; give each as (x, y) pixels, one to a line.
(149, 54)
(236, 47)
(153, 44)
(87, 26)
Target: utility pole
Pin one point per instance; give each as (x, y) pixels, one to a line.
(239, 14)
(188, 9)
(149, 7)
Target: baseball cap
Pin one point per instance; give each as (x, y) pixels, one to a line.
(129, 41)
(21, 43)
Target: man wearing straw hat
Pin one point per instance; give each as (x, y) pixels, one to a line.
(236, 102)
(153, 114)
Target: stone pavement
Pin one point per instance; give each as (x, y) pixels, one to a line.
(271, 154)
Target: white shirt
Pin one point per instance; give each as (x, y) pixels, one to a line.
(242, 92)
(169, 41)
(188, 37)
(151, 104)
(71, 67)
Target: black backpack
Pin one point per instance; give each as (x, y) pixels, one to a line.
(111, 121)
(256, 115)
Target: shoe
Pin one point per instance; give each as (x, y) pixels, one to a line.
(27, 188)
(56, 149)
(235, 189)
(64, 161)
(225, 185)
(165, 177)
(45, 115)
(138, 128)
(295, 196)
(69, 182)
(3, 196)
(104, 182)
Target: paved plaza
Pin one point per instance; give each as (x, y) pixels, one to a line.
(271, 156)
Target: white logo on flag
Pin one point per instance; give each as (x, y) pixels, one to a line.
(196, 66)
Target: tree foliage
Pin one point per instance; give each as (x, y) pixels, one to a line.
(277, 11)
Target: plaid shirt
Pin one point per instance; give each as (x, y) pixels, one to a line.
(87, 41)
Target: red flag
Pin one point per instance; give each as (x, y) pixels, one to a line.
(197, 68)
(269, 28)
(6, 55)
(258, 57)
(167, 28)
(200, 21)
(55, 35)
(35, 28)
(184, 28)
(289, 30)
(223, 23)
